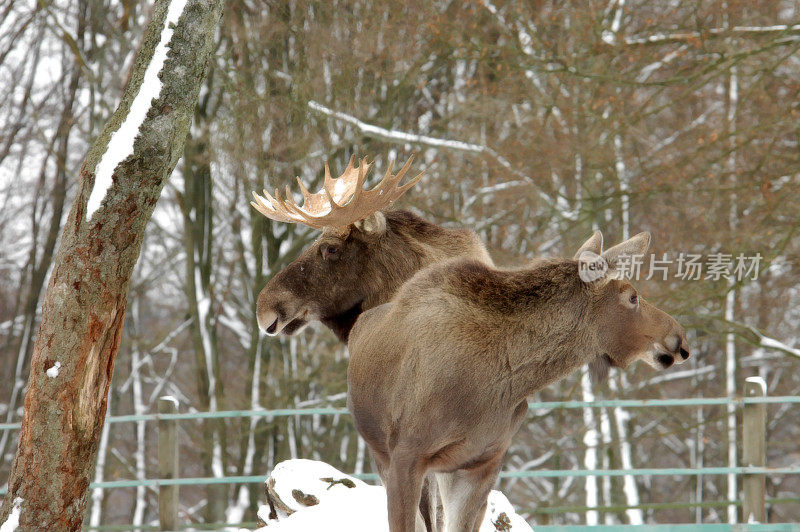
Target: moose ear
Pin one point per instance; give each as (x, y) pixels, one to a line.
(374, 224)
(635, 245)
(594, 244)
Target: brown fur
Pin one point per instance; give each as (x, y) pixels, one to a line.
(439, 377)
(372, 260)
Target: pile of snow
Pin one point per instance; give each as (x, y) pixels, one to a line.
(308, 495)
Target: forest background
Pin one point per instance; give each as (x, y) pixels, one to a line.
(536, 122)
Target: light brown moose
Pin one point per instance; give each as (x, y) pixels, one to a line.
(439, 377)
(362, 256)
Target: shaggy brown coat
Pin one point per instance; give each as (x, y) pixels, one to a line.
(439, 377)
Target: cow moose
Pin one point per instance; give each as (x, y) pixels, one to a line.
(439, 377)
(363, 255)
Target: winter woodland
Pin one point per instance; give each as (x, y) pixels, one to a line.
(536, 123)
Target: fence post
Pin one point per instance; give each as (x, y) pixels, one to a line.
(168, 463)
(754, 451)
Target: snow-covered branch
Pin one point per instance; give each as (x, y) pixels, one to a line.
(683, 36)
(767, 342)
(435, 142)
(401, 136)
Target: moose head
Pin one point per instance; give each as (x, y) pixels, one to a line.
(362, 255)
(630, 328)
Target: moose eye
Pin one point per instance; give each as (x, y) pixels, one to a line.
(330, 251)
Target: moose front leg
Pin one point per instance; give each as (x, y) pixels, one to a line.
(429, 504)
(465, 493)
(403, 490)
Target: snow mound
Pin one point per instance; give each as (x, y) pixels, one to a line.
(306, 495)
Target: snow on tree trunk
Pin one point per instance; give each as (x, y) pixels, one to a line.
(139, 408)
(84, 305)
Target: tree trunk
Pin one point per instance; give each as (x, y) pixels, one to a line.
(84, 305)
(196, 203)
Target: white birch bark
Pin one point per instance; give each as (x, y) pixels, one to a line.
(590, 439)
(139, 407)
(621, 416)
(730, 299)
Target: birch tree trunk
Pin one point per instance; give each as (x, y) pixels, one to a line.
(731, 364)
(84, 305)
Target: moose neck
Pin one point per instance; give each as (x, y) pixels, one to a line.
(409, 244)
(546, 366)
(342, 323)
(553, 337)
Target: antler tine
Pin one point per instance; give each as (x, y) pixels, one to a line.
(388, 184)
(387, 176)
(400, 174)
(275, 208)
(341, 202)
(262, 207)
(363, 169)
(294, 209)
(293, 212)
(331, 182)
(303, 189)
(289, 203)
(259, 205)
(402, 190)
(328, 177)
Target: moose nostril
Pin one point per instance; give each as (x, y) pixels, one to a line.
(272, 328)
(666, 360)
(684, 353)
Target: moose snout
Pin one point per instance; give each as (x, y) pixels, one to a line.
(268, 322)
(684, 353)
(278, 312)
(672, 349)
(272, 310)
(676, 343)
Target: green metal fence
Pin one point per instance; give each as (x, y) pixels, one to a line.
(550, 405)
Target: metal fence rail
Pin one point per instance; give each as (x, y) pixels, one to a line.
(165, 483)
(703, 527)
(547, 405)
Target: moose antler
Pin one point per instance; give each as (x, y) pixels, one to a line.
(341, 202)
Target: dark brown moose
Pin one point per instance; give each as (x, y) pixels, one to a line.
(362, 256)
(439, 378)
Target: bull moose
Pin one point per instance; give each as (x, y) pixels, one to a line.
(363, 255)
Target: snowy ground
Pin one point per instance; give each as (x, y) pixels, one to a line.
(309, 495)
